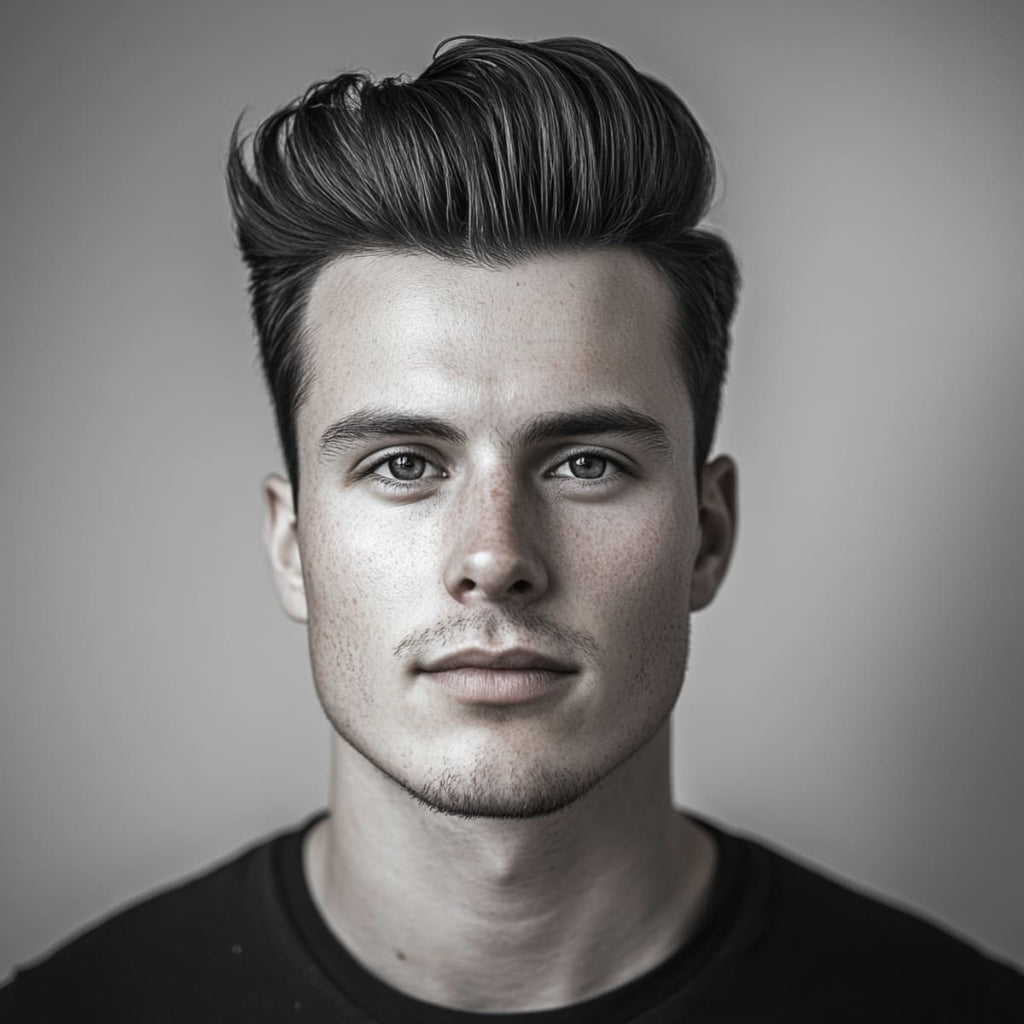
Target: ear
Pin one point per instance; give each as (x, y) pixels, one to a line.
(282, 541)
(717, 530)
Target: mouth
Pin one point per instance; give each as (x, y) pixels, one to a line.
(515, 676)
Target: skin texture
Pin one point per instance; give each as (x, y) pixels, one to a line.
(537, 834)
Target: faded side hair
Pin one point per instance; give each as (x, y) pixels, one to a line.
(498, 151)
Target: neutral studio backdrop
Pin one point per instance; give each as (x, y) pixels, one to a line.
(854, 695)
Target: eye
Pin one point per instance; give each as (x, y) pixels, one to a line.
(404, 467)
(587, 466)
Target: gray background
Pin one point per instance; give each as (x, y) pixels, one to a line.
(854, 693)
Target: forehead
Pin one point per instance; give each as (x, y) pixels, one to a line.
(415, 331)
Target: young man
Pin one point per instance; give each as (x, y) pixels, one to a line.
(495, 335)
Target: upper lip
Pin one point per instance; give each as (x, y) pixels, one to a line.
(510, 658)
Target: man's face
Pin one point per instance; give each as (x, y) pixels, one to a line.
(498, 523)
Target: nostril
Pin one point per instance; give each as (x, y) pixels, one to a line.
(488, 575)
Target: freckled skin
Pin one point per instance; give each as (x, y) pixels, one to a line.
(487, 350)
(557, 855)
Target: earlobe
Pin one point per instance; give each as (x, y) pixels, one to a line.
(717, 530)
(281, 538)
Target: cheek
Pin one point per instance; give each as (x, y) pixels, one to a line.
(634, 580)
(635, 564)
(358, 566)
(358, 581)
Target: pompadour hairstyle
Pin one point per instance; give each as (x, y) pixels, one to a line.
(500, 150)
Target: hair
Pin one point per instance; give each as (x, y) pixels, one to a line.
(500, 150)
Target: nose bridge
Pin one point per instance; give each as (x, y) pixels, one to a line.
(492, 506)
(494, 547)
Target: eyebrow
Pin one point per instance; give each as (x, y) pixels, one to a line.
(623, 420)
(597, 419)
(367, 424)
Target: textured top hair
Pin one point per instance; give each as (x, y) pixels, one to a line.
(498, 151)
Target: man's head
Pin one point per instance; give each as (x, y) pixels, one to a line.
(498, 151)
(495, 337)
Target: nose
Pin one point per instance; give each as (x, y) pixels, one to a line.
(494, 553)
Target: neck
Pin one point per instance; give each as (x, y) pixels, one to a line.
(570, 904)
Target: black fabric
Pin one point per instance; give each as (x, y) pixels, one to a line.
(779, 942)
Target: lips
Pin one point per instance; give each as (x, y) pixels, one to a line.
(513, 658)
(515, 676)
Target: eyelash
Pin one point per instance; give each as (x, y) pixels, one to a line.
(391, 482)
(619, 469)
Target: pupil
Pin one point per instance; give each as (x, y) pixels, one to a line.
(406, 467)
(589, 467)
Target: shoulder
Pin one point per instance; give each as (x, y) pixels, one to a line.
(882, 961)
(213, 929)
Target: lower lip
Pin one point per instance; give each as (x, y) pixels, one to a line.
(498, 685)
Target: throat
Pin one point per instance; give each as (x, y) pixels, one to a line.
(567, 914)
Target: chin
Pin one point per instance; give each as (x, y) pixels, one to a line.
(516, 795)
(497, 788)
(486, 776)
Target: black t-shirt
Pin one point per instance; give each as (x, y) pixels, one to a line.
(779, 942)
